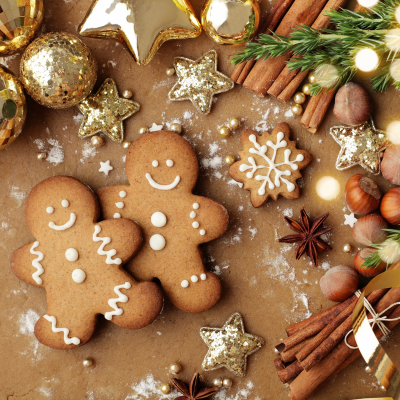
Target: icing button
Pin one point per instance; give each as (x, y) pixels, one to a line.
(195, 224)
(185, 283)
(170, 163)
(157, 242)
(122, 194)
(202, 232)
(158, 219)
(71, 254)
(192, 214)
(203, 277)
(196, 206)
(120, 204)
(78, 276)
(117, 215)
(154, 163)
(194, 278)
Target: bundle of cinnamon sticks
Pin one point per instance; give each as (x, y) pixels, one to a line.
(315, 350)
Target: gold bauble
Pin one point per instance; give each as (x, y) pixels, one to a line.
(234, 123)
(297, 109)
(58, 70)
(12, 107)
(165, 388)
(97, 141)
(224, 132)
(127, 94)
(306, 89)
(19, 23)
(88, 362)
(217, 382)
(299, 98)
(126, 145)
(143, 130)
(41, 156)
(312, 77)
(175, 368)
(227, 383)
(170, 71)
(229, 160)
(177, 128)
(231, 21)
(347, 248)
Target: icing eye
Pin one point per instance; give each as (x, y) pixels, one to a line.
(170, 163)
(65, 203)
(155, 163)
(49, 210)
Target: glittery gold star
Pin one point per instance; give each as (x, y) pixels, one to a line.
(143, 25)
(229, 346)
(105, 111)
(199, 81)
(360, 145)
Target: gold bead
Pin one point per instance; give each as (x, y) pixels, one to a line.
(368, 369)
(224, 131)
(383, 388)
(97, 141)
(217, 382)
(229, 159)
(347, 248)
(312, 77)
(126, 145)
(165, 388)
(227, 383)
(234, 123)
(177, 128)
(88, 362)
(306, 89)
(175, 368)
(41, 156)
(170, 71)
(127, 94)
(297, 109)
(299, 98)
(143, 130)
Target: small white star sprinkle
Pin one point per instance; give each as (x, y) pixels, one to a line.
(105, 167)
(350, 220)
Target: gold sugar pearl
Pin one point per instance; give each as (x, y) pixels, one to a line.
(299, 98)
(97, 141)
(306, 89)
(127, 94)
(312, 77)
(217, 382)
(166, 388)
(126, 145)
(41, 156)
(224, 132)
(175, 368)
(347, 248)
(227, 383)
(143, 130)
(229, 160)
(88, 362)
(170, 71)
(177, 128)
(297, 109)
(234, 123)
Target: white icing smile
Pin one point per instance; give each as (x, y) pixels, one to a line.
(156, 185)
(67, 225)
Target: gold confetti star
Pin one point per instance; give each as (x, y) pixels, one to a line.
(360, 145)
(199, 81)
(229, 346)
(143, 25)
(105, 111)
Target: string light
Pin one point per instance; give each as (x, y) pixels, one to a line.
(397, 14)
(392, 40)
(395, 70)
(326, 75)
(368, 3)
(393, 132)
(366, 60)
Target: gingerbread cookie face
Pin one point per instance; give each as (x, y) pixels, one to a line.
(270, 165)
(78, 261)
(162, 169)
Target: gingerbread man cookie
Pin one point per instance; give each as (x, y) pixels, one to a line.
(162, 169)
(270, 165)
(78, 261)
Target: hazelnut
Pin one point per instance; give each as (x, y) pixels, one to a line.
(362, 194)
(390, 165)
(390, 206)
(359, 260)
(352, 104)
(339, 283)
(368, 230)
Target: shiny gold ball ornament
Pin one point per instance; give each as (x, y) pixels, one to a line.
(127, 94)
(229, 160)
(306, 89)
(12, 107)
(234, 123)
(347, 248)
(227, 383)
(20, 21)
(41, 156)
(224, 132)
(126, 145)
(170, 71)
(175, 368)
(231, 22)
(58, 70)
(312, 78)
(299, 98)
(177, 128)
(165, 388)
(88, 362)
(143, 130)
(217, 382)
(97, 141)
(297, 109)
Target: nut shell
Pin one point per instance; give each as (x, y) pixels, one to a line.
(359, 260)
(390, 206)
(390, 165)
(368, 230)
(352, 104)
(339, 283)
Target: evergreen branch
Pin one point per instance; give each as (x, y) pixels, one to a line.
(372, 261)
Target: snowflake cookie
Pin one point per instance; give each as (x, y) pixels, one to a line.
(78, 261)
(270, 165)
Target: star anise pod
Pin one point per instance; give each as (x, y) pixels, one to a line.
(308, 236)
(193, 391)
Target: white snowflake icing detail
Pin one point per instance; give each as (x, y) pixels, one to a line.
(272, 167)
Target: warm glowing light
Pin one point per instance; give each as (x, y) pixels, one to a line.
(328, 188)
(326, 75)
(395, 70)
(393, 132)
(397, 14)
(366, 60)
(392, 40)
(368, 3)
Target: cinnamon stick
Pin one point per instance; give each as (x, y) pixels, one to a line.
(279, 9)
(290, 372)
(264, 72)
(290, 355)
(279, 365)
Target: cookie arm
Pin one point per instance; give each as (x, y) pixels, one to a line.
(108, 196)
(26, 264)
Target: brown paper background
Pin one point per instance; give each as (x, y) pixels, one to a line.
(260, 277)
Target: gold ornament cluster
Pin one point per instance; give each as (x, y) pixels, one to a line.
(300, 97)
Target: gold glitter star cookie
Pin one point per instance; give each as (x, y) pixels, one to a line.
(105, 111)
(360, 145)
(199, 81)
(229, 346)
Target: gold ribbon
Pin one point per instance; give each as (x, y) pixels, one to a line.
(374, 354)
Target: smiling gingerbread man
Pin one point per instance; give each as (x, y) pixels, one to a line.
(78, 261)
(162, 169)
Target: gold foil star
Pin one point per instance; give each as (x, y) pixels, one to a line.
(360, 145)
(229, 346)
(143, 25)
(199, 81)
(105, 111)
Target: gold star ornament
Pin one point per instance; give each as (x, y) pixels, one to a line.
(199, 81)
(229, 346)
(105, 111)
(143, 25)
(360, 145)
